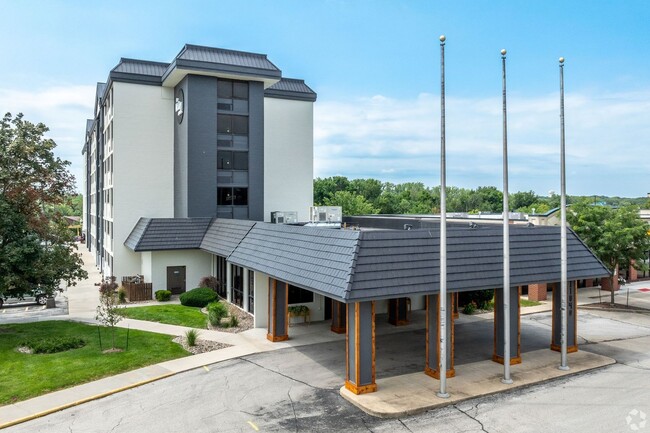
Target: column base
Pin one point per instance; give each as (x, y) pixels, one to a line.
(513, 360)
(362, 389)
(399, 322)
(436, 374)
(337, 329)
(569, 349)
(276, 338)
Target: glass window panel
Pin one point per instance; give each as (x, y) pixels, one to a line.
(240, 90)
(224, 89)
(240, 161)
(224, 196)
(240, 196)
(224, 159)
(224, 124)
(240, 125)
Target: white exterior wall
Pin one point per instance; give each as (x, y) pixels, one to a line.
(288, 157)
(154, 266)
(316, 309)
(261, 300)
(143, 164)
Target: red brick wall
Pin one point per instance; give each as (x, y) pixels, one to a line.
(632, 274)
(537, 292)
(589, 282)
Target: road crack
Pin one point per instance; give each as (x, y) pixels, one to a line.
(286, 376)
(405, 426)
(472, 417)
(293, 408)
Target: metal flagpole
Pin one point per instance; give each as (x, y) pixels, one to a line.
(563, 247)
(443, 231)
(506, 238)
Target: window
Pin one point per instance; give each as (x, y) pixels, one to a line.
(300, 296)
(227, 89)
(228, 160)
(228, 196)
(251, 291)
(230, 124)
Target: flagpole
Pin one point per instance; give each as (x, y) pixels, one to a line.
(506, 237)
(563, 246)
(442, 313)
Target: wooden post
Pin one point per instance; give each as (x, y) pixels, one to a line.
(338, 317)
(432, 364)
(278, 318)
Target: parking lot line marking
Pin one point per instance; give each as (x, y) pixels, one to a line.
(253, 425)
(206, 368)
(26, 308)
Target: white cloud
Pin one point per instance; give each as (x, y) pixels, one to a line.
(63, 109)
(607, 137)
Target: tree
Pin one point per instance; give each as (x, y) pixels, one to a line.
(35, 245)
(522, 199)
(108, 311)
(619, 237)
(352, 204)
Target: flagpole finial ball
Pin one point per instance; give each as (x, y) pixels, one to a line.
(442, 38)
(561, 59)
(503, 52)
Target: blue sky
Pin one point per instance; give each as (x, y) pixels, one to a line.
(375, 67)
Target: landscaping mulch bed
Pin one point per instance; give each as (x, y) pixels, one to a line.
(201, 346)
(245, 320)
(614, 307)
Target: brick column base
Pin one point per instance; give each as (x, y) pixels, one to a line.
(537, 292)
(589, 282)
(605, 284)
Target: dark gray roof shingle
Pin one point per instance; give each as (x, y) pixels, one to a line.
(157, 234)
(141, 67)
(223, 236)
(226, 57)
(290, 88)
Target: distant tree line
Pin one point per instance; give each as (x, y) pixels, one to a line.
(371, 196)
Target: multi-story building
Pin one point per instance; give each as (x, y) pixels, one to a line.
(213, 133)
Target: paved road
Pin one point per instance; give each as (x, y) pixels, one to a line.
(296, 389)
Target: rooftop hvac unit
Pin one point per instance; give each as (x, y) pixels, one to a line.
(284, 217)
(326, 214)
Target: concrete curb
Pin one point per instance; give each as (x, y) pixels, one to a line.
(84, 400)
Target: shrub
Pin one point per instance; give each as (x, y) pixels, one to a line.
(234, 321)
(54, 344)
(469, 308)
(210, 282)
(192, 335)
(199, 297)
(121, 295)
(216, 312)
(163, 295)
(480, 298)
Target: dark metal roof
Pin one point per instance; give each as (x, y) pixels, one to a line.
(141, 67)
(291, 88)
(156, 234)
(226, 57)
(351, 265)
(223, 236)
(312, 258)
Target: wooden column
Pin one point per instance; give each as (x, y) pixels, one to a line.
(572, 318)
(360, 348)
(278, 318)
(338, 317)
(515, 326)
(455, 310)
(432, 364)
(398, 311)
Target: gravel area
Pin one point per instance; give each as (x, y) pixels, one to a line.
(201, 346)
(245, 320)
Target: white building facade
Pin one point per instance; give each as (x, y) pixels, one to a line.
(214, 133)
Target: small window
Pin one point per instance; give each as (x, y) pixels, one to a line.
(224, 196)
(224, 89)
(224, 160)
(224, 124)
(240, 196)
(240, 90)
(240, 160)
(224, 106)
(300, 296)
(240, 125)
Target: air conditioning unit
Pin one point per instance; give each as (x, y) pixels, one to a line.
(284, 217)
(326, 214)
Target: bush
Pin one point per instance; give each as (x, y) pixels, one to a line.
(210, 282)
(480, 298)
(54, 344)
(469, 308)
(163, 295)
(216, 312)
(121, 295)
(199, 297)
(234, 321)
(192, 335)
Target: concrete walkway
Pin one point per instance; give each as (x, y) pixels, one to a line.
(396, 395)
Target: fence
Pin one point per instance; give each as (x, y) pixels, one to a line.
(136, 288)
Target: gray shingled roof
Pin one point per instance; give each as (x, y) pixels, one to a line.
(223, 236)
(157, 234)
(226, 57)
(140, 67)
(292, 88)
(397, 263)
(312, 258)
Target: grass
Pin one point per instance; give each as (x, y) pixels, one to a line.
(169, 314)
(527, 303)
(25, 376)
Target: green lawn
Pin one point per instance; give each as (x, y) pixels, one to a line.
(24, 376)
(170, 314)
(527, 303)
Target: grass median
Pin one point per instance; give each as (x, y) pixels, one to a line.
(170, 314)
(29, 375)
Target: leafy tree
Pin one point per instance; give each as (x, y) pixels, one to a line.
(108, 310)
(491, 199)
(327, 187)
(352, 204)
(35, 245)
(370, 189)
(522, 199)
(619, 237)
